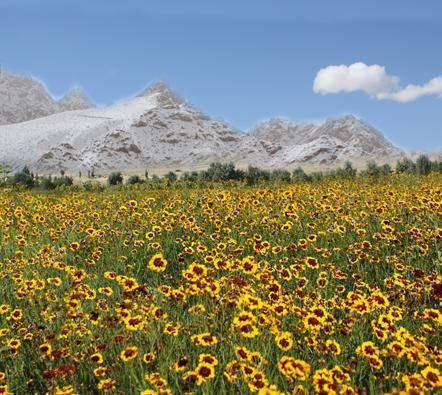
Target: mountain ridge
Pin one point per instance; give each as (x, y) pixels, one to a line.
(158, 127)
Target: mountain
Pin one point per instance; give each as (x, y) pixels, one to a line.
(76, 99)
(158, 128)
(23, 99)
(282, 142)
(152, 129)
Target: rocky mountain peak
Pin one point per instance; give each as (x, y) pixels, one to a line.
(75, 99)
(166, 97)
(23, 98)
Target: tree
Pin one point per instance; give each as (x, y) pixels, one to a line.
(372, 169)
(254, 174)
(46, 183)
(222, 172)
(24, 177)
(171, 176)
(349, 170)
(135, 179)
(115, 178)
(385, 169)
(63, 181)
(189, 176)
(423, 164)
(406, 165)
(280, 175)
(376, 171)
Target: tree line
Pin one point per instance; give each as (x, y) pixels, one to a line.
(219, 172)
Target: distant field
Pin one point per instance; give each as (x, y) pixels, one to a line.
(329, 288)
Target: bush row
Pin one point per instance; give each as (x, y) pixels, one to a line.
(218, 172)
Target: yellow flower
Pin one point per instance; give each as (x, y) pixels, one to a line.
(333, 347)
(149, 357)
(14, 343)
(204, 339)
(368, 349)
(129, 353)
(284, 341)
(205, 371)
(157, 263)
(432, 377)
(106, 384)
(171, 329)
(97, 358)
(16, 314)
(294, 369)
(208, 359)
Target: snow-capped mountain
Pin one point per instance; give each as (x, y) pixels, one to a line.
(23, 99)
(158, 128)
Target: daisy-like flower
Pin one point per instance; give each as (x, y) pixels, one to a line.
(45, 348)
(149, 357)
(294, 369)
(204, 339)
(284, 341)
(181, 364)
(171, 329)
(432, 377)
(333, 347)
(248, 330)
(16, 314)
(208, 359)
(106, 384)
(157, 263)
(368, 349)
(97, 358)
(129, 353)
(205, 372)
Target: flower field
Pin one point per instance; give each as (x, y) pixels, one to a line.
(327, 288)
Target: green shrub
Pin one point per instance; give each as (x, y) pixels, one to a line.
(171, 176)
(115, 178)
(46, 183)
(24, 178)
(134, 180)
(423, 165)
(406, 165)
(280, 175)
(255, 174)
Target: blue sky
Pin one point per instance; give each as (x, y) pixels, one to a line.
(242, 61)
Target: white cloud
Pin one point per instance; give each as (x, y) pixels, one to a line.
(374, 81)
